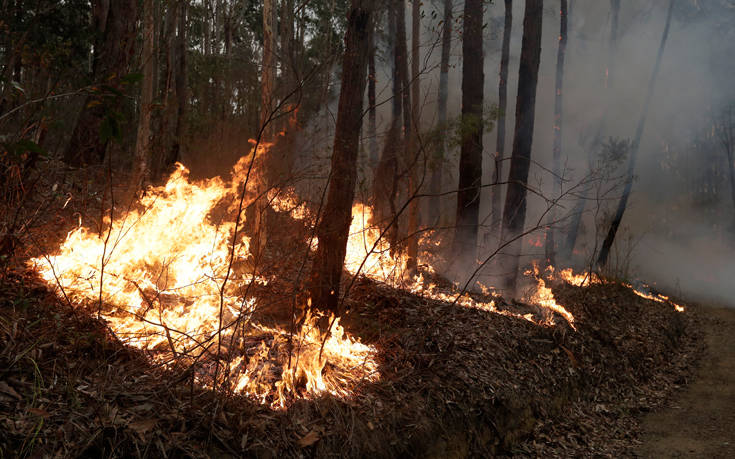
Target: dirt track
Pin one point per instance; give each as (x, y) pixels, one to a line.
(700, 420)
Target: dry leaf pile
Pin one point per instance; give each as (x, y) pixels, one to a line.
(454, 381)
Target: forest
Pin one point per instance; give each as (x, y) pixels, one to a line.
(367, 228)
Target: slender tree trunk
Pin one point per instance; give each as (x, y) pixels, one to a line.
(436, 167)
(141, 165)
(413, 144)
(372, 112)
(182, 105)
(334, 225)
(470, 160)
(502, 108)
(385, 182)
(268, 71)
(610, 238)
(514, 212)
(115, 36)
(558, 120)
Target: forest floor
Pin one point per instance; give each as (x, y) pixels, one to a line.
(699, 420)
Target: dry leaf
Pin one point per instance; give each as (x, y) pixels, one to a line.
(308, 439)
(5, 388)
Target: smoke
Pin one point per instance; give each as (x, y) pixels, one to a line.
(681, 229)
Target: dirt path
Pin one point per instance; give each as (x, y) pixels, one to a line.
(700, 421)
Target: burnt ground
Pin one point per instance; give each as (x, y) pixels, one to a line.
(455, 382)
(699, 420)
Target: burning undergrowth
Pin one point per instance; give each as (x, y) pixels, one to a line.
(174, 275)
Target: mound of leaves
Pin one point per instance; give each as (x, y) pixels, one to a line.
(454, 382)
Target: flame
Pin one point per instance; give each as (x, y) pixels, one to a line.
(657, 297)
(158, 278)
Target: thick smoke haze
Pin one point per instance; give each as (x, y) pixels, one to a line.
(679, 240)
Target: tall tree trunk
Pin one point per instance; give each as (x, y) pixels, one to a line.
(514, 212)
(182, 104)
(635, 146)
(372, 112)
(413, 144)
(385, 182)
(578, 210)
(470, 160)
(268, 70)
(496, 210)
(115, 34)
(436, 167)
(141, 164)
(334, 225)
(558, 120)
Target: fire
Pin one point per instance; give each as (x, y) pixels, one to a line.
(542, 295)
(657, 297)
(368, 252)
(169, 279)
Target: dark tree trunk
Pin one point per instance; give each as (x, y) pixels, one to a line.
(496, 210)
(514, 212)
(115, 29)
(372, 112)
(413, 144)
(558, 112)
(182, 104)
(436, 167)
(470, 160)
(334, 225)
(635, 146)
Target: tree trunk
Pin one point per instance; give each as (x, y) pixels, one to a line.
(436, 167)
(334, 225)
(558, 111)
(622, 204)
(268, 69)
(182, 104)
(413, 144)
(141, 161)
(496, 210)
(115, 34)
(372, 112)
(514, 212)
(470, 160)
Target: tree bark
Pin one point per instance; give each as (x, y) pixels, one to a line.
(558, 112)
(470, 160)
(436, 167)
(413, 144)
(372, 112)
(141, 164)
(514, 212)
(115, 34)
(182, 104)
(502, 108)
(635, 146)
(334, 225)
(268, 70)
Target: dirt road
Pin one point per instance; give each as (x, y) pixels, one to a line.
(700, 420)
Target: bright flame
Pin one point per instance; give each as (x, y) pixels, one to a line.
(657, 297)
(158, 278)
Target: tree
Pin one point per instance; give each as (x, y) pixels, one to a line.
(514, 212)
(115, 34)
(470, 160)
(413, 144)
(502, 107)
(725, 130)
(436, 171)
(334, 224)
(141, 161)
(635, 146)
(556, 154)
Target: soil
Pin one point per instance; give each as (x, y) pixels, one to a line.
(700, 420)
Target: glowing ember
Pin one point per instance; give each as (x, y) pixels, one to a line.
(158, 278)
